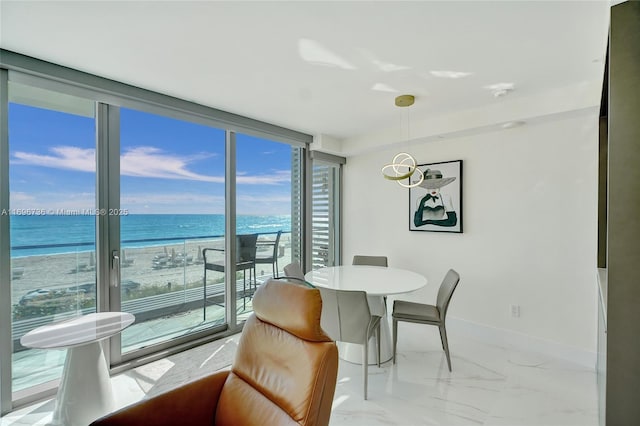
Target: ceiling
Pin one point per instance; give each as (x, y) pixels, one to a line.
(325, 68)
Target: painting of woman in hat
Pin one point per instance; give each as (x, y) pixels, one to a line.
(435, 207)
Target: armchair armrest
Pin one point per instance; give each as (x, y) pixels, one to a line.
(194, 403)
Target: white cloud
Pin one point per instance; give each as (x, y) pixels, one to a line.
(264, 204)
(19, 197)
(172, 203)
(277, 177)
(175, 199)
(53, 200)
(65, 157)
(144, 161)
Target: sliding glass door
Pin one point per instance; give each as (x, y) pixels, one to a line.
(52, 175)
(267, 182)
(171, 211)
(171, 193)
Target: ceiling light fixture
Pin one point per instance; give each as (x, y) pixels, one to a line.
(403, 165)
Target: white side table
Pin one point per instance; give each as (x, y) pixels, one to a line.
(85, 388)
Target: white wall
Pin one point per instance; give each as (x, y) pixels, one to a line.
(530, 231)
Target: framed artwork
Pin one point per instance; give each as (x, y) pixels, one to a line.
(436, 203)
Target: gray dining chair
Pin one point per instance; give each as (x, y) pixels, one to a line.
(422, 313)
(375, 304)
(370, 260)
(245, 260)
(271, 246)
(293, 270)
(346, 317)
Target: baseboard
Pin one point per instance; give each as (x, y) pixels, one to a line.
(520, 341)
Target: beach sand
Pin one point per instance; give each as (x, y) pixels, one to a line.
(148, 266)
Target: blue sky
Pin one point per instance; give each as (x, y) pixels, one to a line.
(167, 165)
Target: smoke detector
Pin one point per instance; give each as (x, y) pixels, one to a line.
(500, 89)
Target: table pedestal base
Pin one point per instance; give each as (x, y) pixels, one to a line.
(85, 388)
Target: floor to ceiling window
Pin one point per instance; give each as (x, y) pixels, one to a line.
(265, 178)
(172, 207)
(123, 204)
(52, 178)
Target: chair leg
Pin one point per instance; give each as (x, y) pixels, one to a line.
(204, 291)
(255, 281)
(445, 344)
(378, 342)
(395, 338)
(365, 365)
(244, 289)
(441, 338)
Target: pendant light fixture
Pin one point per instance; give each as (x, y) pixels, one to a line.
(404, 166)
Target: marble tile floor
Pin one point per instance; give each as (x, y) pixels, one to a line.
(489, 385)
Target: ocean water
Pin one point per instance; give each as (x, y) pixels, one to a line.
(53, 234)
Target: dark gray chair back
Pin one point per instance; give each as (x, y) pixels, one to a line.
(370, 260)
(449, 284)
(271, 258)
(246, 248)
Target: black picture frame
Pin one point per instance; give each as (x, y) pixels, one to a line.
(435, 205)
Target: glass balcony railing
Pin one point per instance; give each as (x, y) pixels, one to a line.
(161, 284)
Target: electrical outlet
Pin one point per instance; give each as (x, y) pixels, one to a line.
(515, 311)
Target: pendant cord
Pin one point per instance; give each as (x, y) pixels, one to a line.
(404, 166)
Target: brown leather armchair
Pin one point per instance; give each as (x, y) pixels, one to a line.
(284, 372)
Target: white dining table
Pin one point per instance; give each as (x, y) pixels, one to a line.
(85, 391)
(377, 282)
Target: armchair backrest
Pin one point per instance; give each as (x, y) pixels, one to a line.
(294, 270)
(285, 367)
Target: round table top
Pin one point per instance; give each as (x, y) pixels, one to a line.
(375, 280)
(77, 331)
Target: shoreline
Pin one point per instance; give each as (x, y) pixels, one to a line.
(49, 250)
